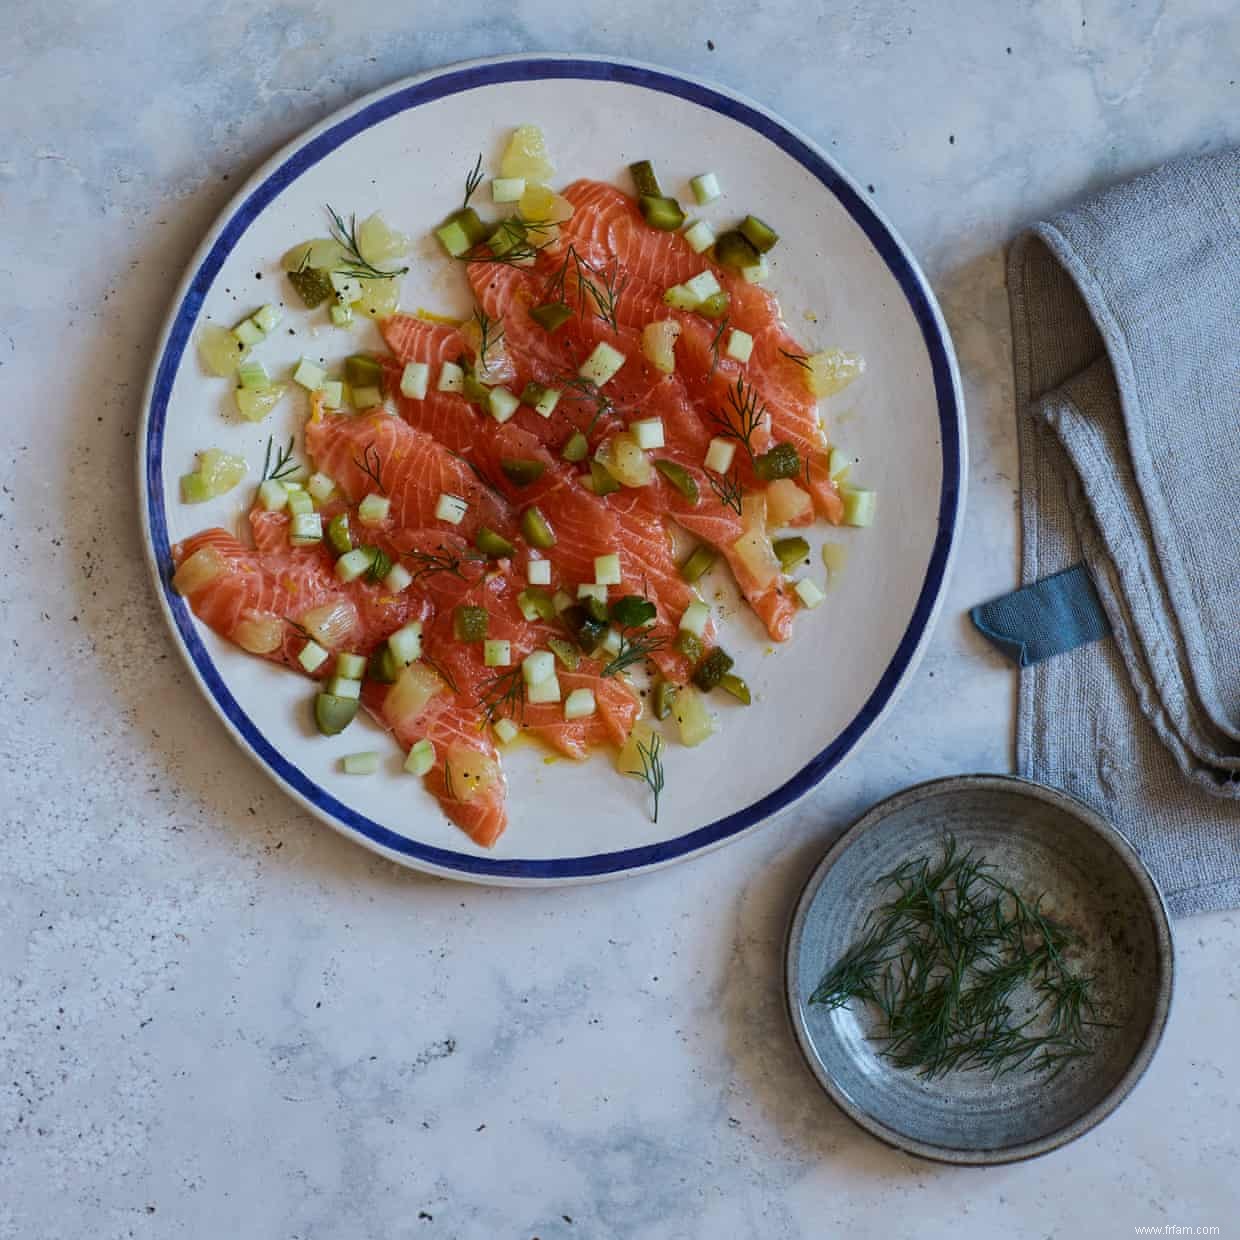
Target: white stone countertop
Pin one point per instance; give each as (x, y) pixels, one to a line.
(220, 1019)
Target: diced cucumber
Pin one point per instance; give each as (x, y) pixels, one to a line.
(536, 604)
(451, 378)
(421, 758)
(701, 287)
(537, 667)
(306, 529)
(298, 500)
(502, 404)
(312, 656)
(757, 272)
(700, 236)
(399, 578)
(681, 297)
(248, 332)
(496, 653)
(342, 316)
(272, 496)
(366, 763)
(374, 509)
(858, 506)
(333, 393)
(544, 691)
(705, 187)
(353, 564)
(592, 590)
(507, 189)
(348, 288)
(506, 731)
(253, 375)
(607, 570)
(648, 432)
(579, 704)
(602, 364)
(268, 317)
(406, 643)
(320, 487)
(538, 572)
(740, 345)
(809, 593)
(350, 666)
(719, 454)
(414, 379)
(344, 687)
(695, 618)
(309, 374)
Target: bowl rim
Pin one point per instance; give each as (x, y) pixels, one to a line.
(1165, 954)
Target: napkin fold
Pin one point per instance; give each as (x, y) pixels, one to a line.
(1126, 343)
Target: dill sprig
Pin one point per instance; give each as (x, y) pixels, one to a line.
(716, 340)
(359, 267)
(444, 561)
(503, 695)
(371, 465)
(283, 466)
(797, 359)
(728, 490)
(447, 780)
(472, 180)
(587, 393)
(636, 646)
(522, 251)
(490, 333)
(606, 293)
(651, 755)
(743, 416)
(596, 287)
(948, 961)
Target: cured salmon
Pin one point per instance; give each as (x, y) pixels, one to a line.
(485, 505)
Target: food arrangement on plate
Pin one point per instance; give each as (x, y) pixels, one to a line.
(504, 525)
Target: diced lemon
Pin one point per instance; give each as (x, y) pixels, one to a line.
(832, 370)
(526, 156)
(659, 344)
(378, 242)
(693, 719)
(220, 351)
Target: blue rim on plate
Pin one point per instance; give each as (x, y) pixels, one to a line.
(405, 96)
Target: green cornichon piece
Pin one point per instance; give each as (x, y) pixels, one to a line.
(576, 449)
(664, 697)
(383, 666)
(698, 563)
(601, 477)
(566, 652)
(712, 669)
(690, 645)
(644, 179)
(536, 530)
(588, 631)
(716, 305)
(595, 608)
(470, 624)
(791, 551)
(475, 391)
(338, 536)
(736, 687)
(552, 315)
(782, 461)
(313, 286)
(680, 478)
(494, 546)
(759, 235)
(522, 473)
(333, 714)
(532, 393)
(361, 371)
(733, 249)
(660, 212)
(537, 601)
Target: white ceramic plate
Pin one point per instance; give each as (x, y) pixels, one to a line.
(405, 150)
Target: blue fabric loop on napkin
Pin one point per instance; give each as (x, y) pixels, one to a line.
(1050, 617)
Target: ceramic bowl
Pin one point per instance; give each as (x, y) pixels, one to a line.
(1040, 841)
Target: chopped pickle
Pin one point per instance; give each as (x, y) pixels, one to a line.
(532, 393)
(712, 669)
(522, 473)
(552, 315)
(535, 602)
(469, 624)
(576, 449)
(595, 607)
(733, 249)
(791, 552)
(475, 391)
(494, 546)
(536, 530)
(759, 235)
(361, 370)
(312, 285)
(383, 666)
(333, 713)
(470, 224)
(698, 563)
(782, 461)
(661, 212)
(680, 478)
(602, 478)
(338, 536)
(632, 611)
(380, 564)
(690, 645)
(716, 305)
(664, 696)
(566, 652)
(588, 631)
(644, 179)
(736, 687)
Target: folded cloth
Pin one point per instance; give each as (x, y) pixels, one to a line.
(1126, 343)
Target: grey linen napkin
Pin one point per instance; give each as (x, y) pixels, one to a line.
(1126, 342)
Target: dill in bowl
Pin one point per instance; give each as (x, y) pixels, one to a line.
(964, 972)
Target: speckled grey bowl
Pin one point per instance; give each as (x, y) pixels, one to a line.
(1039, 840)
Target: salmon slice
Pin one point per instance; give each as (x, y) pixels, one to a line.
(412, 468)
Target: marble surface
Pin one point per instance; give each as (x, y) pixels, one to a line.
(217, 1018)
